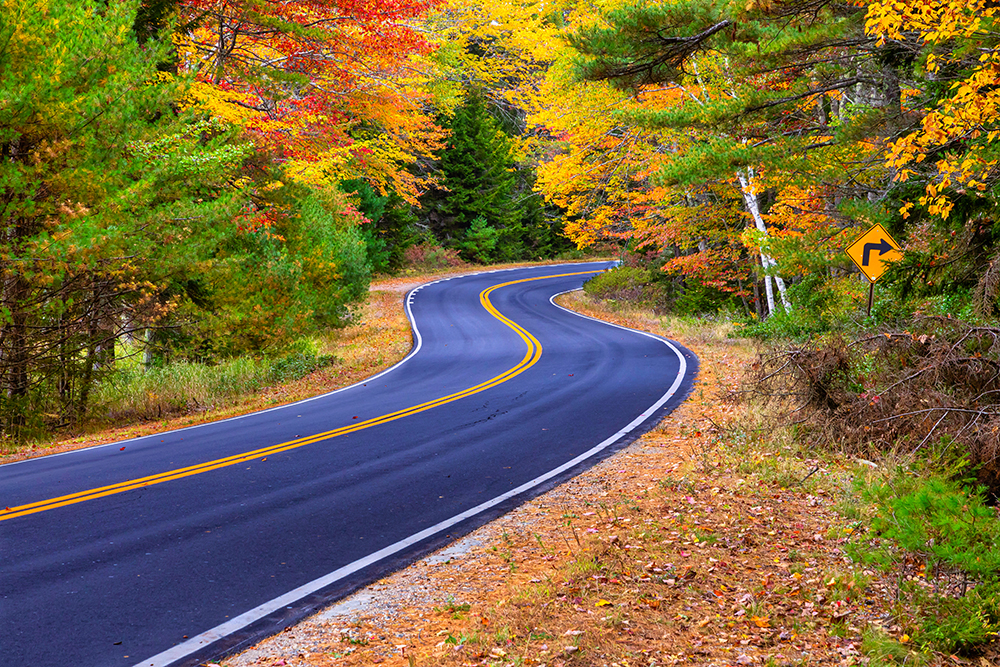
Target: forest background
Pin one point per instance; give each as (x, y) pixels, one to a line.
(192, 186)
(194, 181)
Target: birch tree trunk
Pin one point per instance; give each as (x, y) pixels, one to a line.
(770, 266)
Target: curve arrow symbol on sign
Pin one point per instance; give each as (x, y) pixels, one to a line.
(878, 241)
(883, 247)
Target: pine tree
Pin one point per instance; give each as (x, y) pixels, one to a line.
(104, 192)
(478, 176)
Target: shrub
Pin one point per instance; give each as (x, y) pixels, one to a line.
(897, 389)
(950, 529)
(428, 256)
(960, 624)
(480, 241)
(819, 305)
(942, 539)
(623, 283)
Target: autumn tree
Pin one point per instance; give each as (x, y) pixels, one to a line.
(944, 165)
(326, 88)
(104, 193)
(769, 94)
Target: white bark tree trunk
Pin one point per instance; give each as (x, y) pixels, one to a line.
(750, 199)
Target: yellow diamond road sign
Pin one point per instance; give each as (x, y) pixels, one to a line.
(873, 251)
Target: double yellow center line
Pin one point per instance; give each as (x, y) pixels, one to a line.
(532, 355)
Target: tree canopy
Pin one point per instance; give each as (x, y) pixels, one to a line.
(196, 179)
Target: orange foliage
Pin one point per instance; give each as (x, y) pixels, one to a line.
(323, 87)
(967, 117)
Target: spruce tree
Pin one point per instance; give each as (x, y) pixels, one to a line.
(478, 176)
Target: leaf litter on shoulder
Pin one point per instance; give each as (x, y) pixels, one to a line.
(702, 543)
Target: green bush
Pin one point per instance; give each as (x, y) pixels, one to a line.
(623, 283)
(819, 305)
(696, 298)
(959, 624)
(946, 528)
(947, 525)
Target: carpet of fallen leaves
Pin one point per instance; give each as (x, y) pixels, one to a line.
(693, 546)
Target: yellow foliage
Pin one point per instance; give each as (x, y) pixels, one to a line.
(967, 115)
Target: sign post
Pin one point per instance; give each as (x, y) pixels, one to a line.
(872, 252)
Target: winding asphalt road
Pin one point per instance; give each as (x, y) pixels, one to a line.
(173, 548)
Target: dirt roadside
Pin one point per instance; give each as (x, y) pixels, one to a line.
(674, 551)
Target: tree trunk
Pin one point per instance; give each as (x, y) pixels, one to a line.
(756, 300)
(770, 266)
(743, 297)
(147, 350)
(14, 351)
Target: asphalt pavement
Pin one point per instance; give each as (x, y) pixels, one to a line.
(177, 547)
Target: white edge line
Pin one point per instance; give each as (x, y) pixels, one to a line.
(243, 620)
(418, 342)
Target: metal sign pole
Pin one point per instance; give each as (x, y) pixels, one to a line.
(871, 297)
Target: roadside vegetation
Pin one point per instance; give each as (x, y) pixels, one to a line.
(195, 196)
(138, 399)
(894, 421)
(895, 414)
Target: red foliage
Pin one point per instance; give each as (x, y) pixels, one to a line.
(305, 72)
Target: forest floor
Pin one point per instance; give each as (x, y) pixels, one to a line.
(706, 542)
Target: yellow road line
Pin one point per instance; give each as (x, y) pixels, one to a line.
(531, 357)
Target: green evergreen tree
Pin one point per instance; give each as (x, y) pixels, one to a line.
(480, 242)
(391, 227)
(478, 176)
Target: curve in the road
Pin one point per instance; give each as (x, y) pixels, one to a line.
(129, 574)
(196, 644)
(534, 352)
